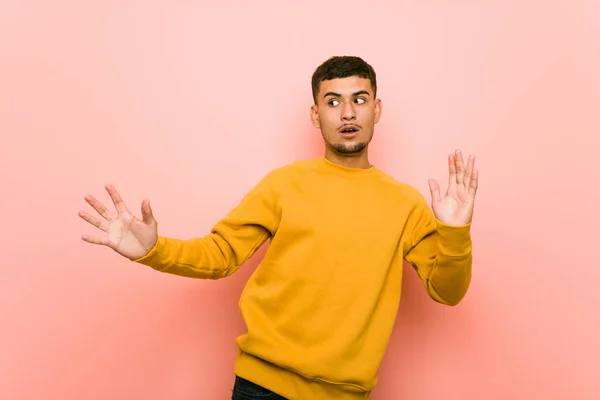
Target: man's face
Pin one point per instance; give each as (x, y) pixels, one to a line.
(346, 113)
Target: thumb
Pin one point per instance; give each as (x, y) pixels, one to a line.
(147, 213)
(434, 187)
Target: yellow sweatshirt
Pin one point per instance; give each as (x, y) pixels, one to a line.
(320, 307)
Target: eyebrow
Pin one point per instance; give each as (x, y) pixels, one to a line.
(353, 94)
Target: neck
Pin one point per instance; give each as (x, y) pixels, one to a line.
(351, 161)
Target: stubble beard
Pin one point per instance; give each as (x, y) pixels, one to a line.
(348, 149)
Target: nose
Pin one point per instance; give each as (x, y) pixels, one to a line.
(348, 113)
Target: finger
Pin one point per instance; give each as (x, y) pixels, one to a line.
(147, 215)
(451, 172)
(97, 222)
(460, 167)
(116, 198)
(469, 171)
(99, 207)
(474, 184)
(95, 240)
(434, 188)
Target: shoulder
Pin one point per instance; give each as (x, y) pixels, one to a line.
(292, 169)
(420, 217)
(280, 177)
(408, 194)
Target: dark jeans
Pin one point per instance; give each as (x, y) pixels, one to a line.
(246, 390)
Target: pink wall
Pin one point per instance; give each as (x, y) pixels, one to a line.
(162, 98)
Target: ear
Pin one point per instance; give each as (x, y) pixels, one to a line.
(314, 116)
(378, 109)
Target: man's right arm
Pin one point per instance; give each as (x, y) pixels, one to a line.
(231, 242)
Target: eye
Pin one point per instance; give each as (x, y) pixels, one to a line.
(333, 102)
(360, 101)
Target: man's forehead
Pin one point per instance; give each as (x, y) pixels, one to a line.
(346, 86)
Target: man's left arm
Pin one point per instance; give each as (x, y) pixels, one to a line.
(441, 246)
(441, 255)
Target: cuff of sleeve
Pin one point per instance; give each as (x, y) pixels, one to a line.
(154, 258)
(454, 241)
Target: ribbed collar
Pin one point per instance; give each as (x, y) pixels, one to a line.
(325, 163)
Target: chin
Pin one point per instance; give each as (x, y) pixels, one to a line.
(349, 149)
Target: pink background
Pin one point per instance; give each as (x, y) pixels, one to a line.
(163, 99)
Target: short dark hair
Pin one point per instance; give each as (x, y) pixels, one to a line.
(342, 67)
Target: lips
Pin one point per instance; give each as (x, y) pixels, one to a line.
(349, 130)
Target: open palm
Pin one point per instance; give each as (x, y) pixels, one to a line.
(123, 232)
(456, 206)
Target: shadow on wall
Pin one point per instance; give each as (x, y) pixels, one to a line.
(209, 338)
(419, 323)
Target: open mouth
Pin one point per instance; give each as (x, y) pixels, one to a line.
(349, 130)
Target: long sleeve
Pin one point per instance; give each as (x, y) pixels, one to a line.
(441, 255)
(231, 242)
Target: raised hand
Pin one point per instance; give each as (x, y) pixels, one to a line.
(456, 207)
(124, 233)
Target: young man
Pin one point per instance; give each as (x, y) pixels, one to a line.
(321, 306)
